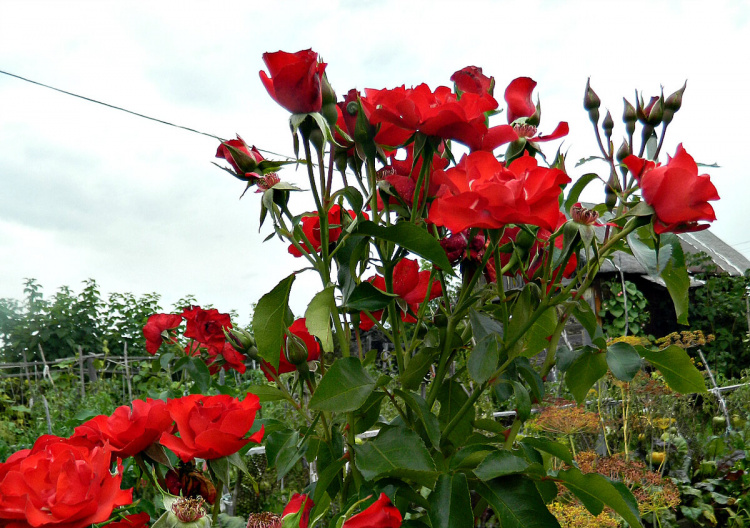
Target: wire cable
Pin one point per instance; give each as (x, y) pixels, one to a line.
(131, 112)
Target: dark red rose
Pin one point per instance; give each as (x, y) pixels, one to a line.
(472, 80)
(211, 426)
(311, 229)
(295, 80)
(206, 326)
(380, 514)
(518, 97)
(299, 329)
(245, 162)
(676, 191)
(457, 247)
(482, 192)
(227, 358)
(59, 483)
(439, 113)
(295, 503)
(410, 285)
(136, 520)
(156, 330)
(129, 431)
(187, 481)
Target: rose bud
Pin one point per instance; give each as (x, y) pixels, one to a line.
(296, 350)
(672, 104)
(187, 513)
(591, 102)
(629, 116)
(607, 125)
(622, 153)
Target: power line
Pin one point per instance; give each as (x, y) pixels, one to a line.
(131, 112)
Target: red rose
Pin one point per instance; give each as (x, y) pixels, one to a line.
(129, 431)
(676, 192)
(311, 229)
(482, 192)
(156, 330)
(245, 162)
(211, 426)
(299, 329)
(206, 326)
(439, 113)
(380, 514)
(404, 174)
(295, 80)
(137, 520)
(227, 358)
(59, 483)
(518, 97)
(295, 503)
(410, 285)
(472, 80)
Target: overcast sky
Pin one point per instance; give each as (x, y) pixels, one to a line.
(87, 191)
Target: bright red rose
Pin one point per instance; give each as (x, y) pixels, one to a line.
(295, 503)
(59, 483)
(156, 330)
(299, 329)
(211, 426)
(676, 192)
(472, 80)
(439, 113)
(410, 285)
(129, 431)
(380, 514)
(295, 80)
(136, 520)
(404, 174)
(518, 97)
(206, 326)
(482, 192)
(245, 163)
(311, 229)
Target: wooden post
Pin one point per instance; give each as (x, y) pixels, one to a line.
(26, 367)
(92, 370)
(46, 371)
(80, 371)
(127, 370)
(46, 414)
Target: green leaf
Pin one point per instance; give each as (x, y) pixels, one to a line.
(452, 397)
(623, 361)
(531, 377)
(367, 297)
(318, 317)
(577, 188)
(586, 371)
(483, 359)
(326, 477)
(500, 464)
(289, 454)
(366, 416)
(523, 401)
(675, 365)
(595, 490)
(470, 456)
(429, 421)
(198, 372)
(450, 503)
(236, 460)
(584, 314)
(396, 452)
(269, 321)
(483, 325)
(676, 278)
(517, 503)
(344, 388)
(645, 254)
(536, 338)
(418, 366)
(553, 448)
(409, 236)
(266, 393)
(220, 468)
